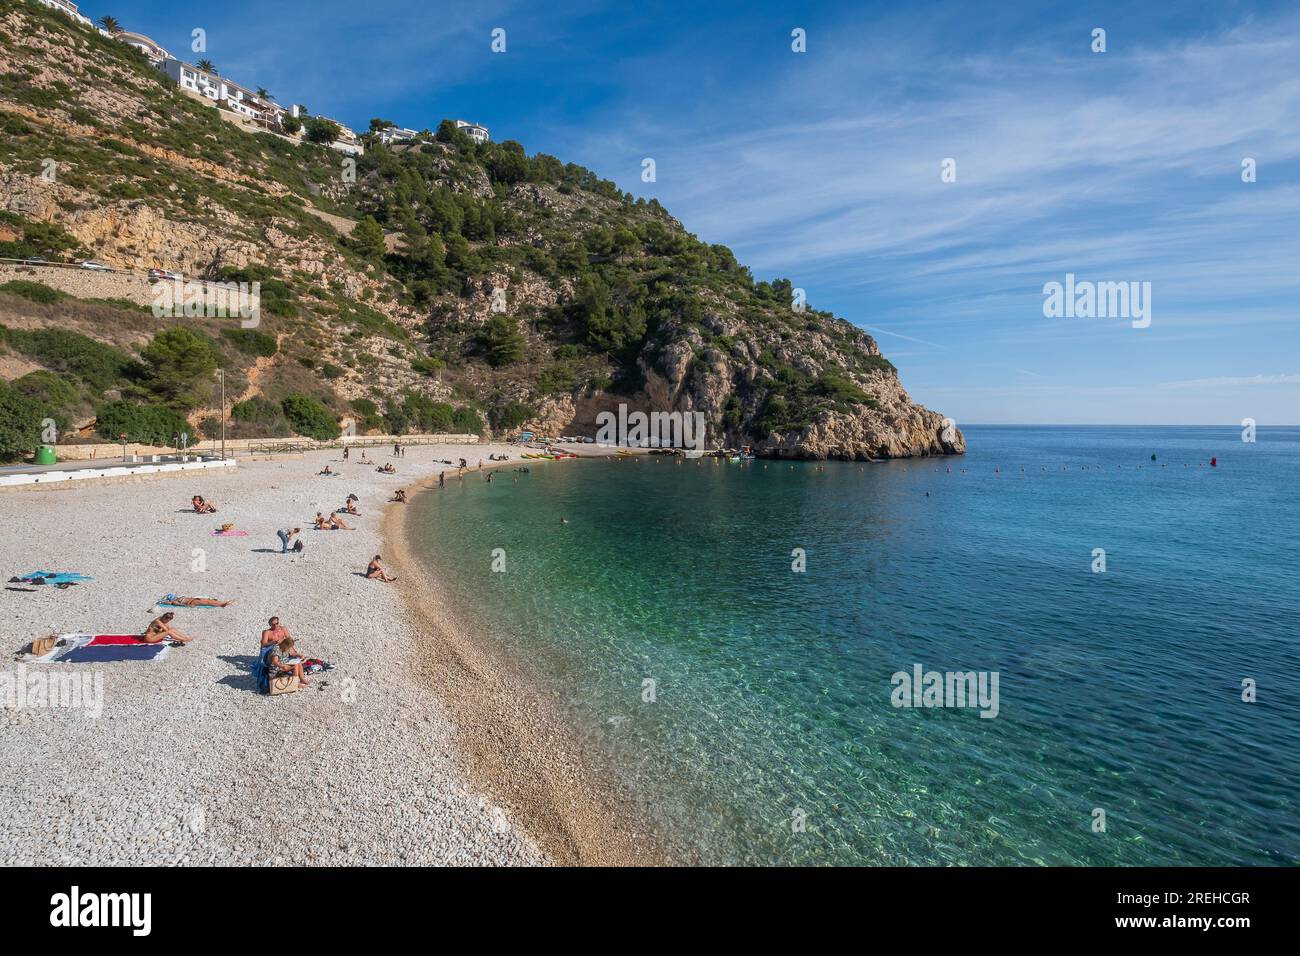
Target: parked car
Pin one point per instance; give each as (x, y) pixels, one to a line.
(95, 266)
(35, 261)
(162, 274)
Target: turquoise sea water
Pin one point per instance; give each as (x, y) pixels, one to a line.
(1119, 691)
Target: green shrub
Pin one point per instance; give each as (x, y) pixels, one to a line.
(181, 362)
(100, 366)
(35, 291)
(20, 424)
(396, 420)
(310, 417)
(210, 427)
(146, 424)
(47, 388)
(509, 416)
(253, 342)
(257, 410)
(322, 130)
(47, 239)
(503, 341)
(467, 421)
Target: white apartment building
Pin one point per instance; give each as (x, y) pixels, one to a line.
(224, 93)
(474, 131)
(66, 6)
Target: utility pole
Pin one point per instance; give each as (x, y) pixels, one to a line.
(223, 413)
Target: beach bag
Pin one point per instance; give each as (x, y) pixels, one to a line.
(43, 645)
(297, 546)
(282, 684)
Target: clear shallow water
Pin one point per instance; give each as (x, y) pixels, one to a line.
(1119, 690)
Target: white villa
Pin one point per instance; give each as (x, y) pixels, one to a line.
(390, 136)
(156, 54)
(474, 131)
(66, 6)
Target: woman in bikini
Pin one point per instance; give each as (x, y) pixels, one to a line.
(196, 602)
(332, 523)
(201, 507)
(160, 629)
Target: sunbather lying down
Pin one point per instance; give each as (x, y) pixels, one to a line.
(332, 523)
(194, 601)
(160, 629)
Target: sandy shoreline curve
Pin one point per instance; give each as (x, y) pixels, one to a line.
(513, 736)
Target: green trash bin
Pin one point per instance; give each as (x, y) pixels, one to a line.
(45, 455)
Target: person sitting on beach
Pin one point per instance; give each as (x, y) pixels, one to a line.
(400, 496)
(325, 471)
(202, 507)
(277, 659)
(160, 629)
(350, 506)
(387, 469)
(195, 602)
(274, 633)
(376, 572)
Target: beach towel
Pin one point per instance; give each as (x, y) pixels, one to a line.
(114, 653)
(112, 640)
(230, 534)
(101, 649)
(55, 577)
(262, 669)
(174, 600)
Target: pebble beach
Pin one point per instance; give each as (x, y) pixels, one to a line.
(186, 763)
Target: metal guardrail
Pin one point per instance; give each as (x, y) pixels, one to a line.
(277, 446)
(72, 265)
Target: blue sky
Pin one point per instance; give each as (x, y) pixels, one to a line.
(824, 166)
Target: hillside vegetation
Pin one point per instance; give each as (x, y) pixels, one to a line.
(480, 288)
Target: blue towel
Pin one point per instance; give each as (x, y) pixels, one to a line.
(56, 577)
(262, 669)
(112, 653)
